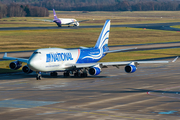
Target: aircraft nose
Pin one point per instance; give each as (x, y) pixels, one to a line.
(32, 64)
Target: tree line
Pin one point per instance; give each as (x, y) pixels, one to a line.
(39, 8)
(101, 5)
(19, 10)
(109, 5)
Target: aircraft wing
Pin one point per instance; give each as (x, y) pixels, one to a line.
(82, 20)
(12, 58)
(77, 21)
(105, 64)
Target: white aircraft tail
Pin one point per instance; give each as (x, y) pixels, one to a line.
(104, 36)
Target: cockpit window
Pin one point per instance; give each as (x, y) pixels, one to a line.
(37, 53)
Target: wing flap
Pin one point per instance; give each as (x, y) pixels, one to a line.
(116, 64)
(82, 20)
(128, 62)
(105, 64)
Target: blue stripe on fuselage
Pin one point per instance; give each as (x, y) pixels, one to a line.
(90, 55)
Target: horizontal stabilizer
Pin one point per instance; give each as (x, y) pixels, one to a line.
(5, 55)
(120, 50)
(45, 20)
(175, 59)
(83, 47)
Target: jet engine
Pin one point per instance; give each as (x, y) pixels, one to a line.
(15, 65)
(26, 69)
(76, 24)
(95, 71)
(130, 68)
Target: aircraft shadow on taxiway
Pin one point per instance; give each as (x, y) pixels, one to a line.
(156, 26)
(21, 75)
(129, 90)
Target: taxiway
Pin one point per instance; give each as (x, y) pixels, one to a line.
(157, 26)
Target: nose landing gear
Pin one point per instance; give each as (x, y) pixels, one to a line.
(38, 77)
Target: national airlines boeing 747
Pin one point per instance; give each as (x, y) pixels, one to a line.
(77, 61)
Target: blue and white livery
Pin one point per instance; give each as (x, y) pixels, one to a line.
(79, 62)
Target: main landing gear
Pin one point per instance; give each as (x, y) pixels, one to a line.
(38, 77)
(66, 74)
(77, 73)
(80, 73)
(53, 74)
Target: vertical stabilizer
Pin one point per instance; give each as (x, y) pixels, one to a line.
(55, 17)
(104, 36)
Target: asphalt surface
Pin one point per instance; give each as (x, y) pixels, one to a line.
(157, 26)
(151, 93)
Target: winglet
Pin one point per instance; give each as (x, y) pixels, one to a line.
(5, 55)
(175, 59)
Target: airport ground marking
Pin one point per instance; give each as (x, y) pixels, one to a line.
(94, 113)
(169, 88)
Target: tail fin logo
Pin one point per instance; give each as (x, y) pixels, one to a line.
(104, 36)
(55, 17)
(102, 42)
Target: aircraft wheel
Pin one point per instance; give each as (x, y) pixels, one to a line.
(66, 74)
(53, 74)
(76, 74)
(38, 77)
(83, 74)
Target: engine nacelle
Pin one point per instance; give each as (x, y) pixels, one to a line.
(77, 24)
(26, 69)
(15, 65)
(95, 71)
(130, 68)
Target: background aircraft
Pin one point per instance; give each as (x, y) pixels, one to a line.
(65, 21)
(77, 61)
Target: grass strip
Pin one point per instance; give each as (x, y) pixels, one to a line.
(22, 40)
